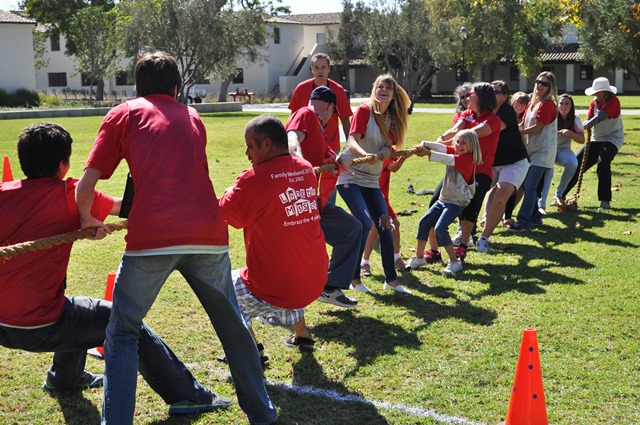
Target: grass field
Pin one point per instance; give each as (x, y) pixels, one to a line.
(447, 354)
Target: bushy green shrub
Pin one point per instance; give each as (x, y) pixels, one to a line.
(49, 100)
(20, 98)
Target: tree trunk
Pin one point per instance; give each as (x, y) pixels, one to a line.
(99, 90)
(224, 88)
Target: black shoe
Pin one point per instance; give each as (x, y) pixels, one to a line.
(337, 297)
(206, 402)
(89, 380)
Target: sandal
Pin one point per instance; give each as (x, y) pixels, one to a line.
(263, 359)
(302, 343)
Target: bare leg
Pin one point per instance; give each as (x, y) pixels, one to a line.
(496, 203)
(451, 252)
(371, 240)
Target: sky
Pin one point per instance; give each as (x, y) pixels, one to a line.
(297, 6)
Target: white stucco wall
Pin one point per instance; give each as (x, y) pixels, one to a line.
(16, 49)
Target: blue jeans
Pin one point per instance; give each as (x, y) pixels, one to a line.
(138, 283)
(529, 215)
(440, 216)
(367, 205)
(343, 233)
(567, 159)
(81, 327)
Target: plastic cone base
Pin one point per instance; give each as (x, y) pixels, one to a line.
(7, 176)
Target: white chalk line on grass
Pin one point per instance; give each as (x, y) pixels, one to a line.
(349, 398)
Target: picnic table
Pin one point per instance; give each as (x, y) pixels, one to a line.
(243, 95)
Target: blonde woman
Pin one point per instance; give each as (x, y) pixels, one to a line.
(376, 126)
(539, 131)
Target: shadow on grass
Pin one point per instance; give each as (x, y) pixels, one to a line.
(334, 404)
(76, 409)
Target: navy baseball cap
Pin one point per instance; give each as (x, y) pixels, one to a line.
(323, 93)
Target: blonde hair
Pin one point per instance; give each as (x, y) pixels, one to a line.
(553, 88)
(473, 144)
(398, 110)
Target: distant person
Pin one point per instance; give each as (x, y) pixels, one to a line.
(461, 95)
(175, 223)
(35, 313)
(276, 204)
(320, 68)
(604, 116)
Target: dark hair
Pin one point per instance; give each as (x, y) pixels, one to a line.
(157, 73)
(320, 56)
(269, 126)
(504, 87)
(571, 116)
(41, 148)
(486, 96)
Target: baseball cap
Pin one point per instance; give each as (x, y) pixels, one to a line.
(323, 93)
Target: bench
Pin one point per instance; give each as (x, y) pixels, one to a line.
(243, 95)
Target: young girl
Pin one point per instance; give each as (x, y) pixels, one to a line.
(376, 126)
(569, 128)
(457, 190)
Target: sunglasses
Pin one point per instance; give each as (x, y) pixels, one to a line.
(496, 91)
(543, 83)
(463, 97)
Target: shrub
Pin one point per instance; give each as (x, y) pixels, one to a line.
(49, 100)
(19, 98)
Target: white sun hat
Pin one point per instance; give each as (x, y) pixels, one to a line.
(600, 84)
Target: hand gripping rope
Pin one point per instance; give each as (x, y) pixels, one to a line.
(572, 202)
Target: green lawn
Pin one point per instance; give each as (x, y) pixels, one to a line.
(450, 349)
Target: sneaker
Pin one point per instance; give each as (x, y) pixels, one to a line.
(206, 402)
(542, 211)
(89, 380)
(453, 267)
(461, 253)
(483, 245)
(365, 270)
(337, 297)
(507, 223)
(400, 264)
(458, 238)
(605, 205)
(360, 287)
(398, 288)
(433, 256)
(517, 227)
(416, 263)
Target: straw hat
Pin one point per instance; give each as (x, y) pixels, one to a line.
(600, 84)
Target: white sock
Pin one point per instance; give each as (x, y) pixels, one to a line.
(396, 256)
(364, 262)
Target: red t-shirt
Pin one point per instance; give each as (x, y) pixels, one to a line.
(276, 205)
(300, 99)
(611, 107)
(32, 285)
(164, 143)
(463, 164)
(488, 144)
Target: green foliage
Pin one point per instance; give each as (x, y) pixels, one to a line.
(20, 98)
(610, 35)
(49, 100)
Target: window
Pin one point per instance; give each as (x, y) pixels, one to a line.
(321, 38)
(85, 80)
(626, 75)
(514, 73)
(124, 78)
(239, 77)
(55, 43)
(57, 79)
(460, 74)
(586, 72)
(276, 35)
(202, 80)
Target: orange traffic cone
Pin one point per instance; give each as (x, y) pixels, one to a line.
(6, 170)
(527, 405)
(108, 295)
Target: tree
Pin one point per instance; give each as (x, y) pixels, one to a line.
(609, 33)
(208, 38)
(93, 34)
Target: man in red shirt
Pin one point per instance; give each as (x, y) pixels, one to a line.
(341, 230)
(276, 203)
(35, 314)
(175, 223)
(320, 69)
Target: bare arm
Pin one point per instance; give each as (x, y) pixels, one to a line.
(533, 129)
(295, 138)
(346, 126)
(84, 199)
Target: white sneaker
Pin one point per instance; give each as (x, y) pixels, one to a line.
(453, 267)
(398, 288)
(458, 238)
(483, 245)
(416, 263)
(360, 287)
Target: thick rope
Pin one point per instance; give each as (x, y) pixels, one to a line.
(7, 252)
(359, 161)
(572, 202)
